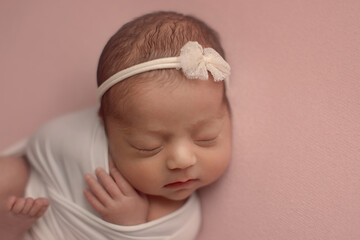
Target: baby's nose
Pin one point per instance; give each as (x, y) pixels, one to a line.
(182, 156)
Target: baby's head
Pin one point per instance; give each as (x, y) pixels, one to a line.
(168, 135)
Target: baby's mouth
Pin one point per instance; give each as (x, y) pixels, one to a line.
(181, 184)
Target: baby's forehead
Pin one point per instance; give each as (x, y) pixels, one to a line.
(166, 125)
(164, 93)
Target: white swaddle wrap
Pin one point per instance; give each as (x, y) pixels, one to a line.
(60, 154)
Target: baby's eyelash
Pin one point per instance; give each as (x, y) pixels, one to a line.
(148, 150)
(207, 140)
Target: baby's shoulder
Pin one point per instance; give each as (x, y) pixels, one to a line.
(66, 133)
(70, 123)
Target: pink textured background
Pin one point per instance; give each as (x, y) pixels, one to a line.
(295, 172)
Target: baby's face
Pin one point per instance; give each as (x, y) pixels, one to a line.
(174, 139)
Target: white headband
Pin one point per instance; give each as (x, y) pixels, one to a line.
(194, 61)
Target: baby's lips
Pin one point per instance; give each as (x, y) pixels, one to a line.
(181, 183)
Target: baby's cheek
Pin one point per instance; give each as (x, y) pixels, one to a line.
(216, 165)
(142, 175)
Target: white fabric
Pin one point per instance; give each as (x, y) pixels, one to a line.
(60, 154)
(17, 149)
(194, 61)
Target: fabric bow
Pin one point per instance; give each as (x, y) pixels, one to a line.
(196, 62)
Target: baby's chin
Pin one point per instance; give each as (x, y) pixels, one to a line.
(180, 195)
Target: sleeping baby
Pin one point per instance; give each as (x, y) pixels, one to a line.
(130, 168)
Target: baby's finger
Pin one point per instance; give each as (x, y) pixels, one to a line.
(28, 203)
(18, 205)
(97, 190)
(94, 202)
(41, 212)
(10, 203)
(108, 182)
(37, 205)
(121, 182)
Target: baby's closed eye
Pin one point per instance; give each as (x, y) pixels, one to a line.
(206, 141)
(148, 149)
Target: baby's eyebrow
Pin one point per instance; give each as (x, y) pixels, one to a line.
(135, 130)
(206, 121)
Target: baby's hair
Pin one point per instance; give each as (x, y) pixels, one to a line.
(151, 36)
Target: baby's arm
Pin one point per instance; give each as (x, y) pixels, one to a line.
(17, 214)
(117, 202)
(14, 174)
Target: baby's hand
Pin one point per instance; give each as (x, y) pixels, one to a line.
(117, 202)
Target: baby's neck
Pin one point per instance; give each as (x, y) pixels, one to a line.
(160, 207)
